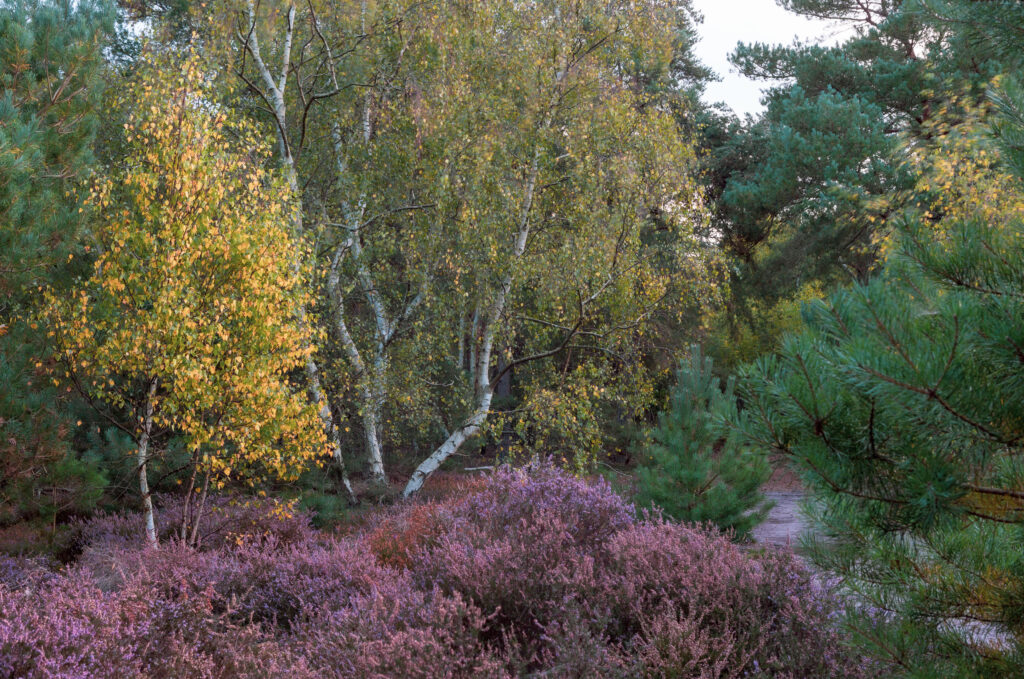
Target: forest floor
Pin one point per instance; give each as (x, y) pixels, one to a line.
(785, 522)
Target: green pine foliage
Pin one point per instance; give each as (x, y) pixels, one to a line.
(831, 136)
(1009, 100)
(902, 402)
(51, 88)
(801, 190)
(697, 470)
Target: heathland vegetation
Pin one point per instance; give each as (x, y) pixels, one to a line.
(434, 338)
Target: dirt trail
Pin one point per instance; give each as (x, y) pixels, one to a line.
(785, 523)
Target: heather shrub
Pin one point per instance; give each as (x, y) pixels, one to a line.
(571, 580)
(529, 574)
(148, 627)
(63, 628)
(398, 630)
(523, 547)
(443, 486)
(691, 603)
(225, 520)
(104, 532)
(401, 534)
(21, 572)
(260, 582)
(276, 586)
(578, 645)
(237, 520)
(511, 498)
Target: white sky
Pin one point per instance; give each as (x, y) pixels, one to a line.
(727, 22)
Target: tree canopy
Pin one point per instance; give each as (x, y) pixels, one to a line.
(188, 321)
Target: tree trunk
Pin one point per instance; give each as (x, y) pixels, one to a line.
(330, 429)
(143, 458)
(372, 424)
(275, 93)
(470, 428)
(483, 392)
(193, 538)
(370, 389)
(186, 508)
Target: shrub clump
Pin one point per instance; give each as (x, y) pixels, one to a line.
(696, 466)
(526, 574)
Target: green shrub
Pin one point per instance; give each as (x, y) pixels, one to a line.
(327, 509)
(695, 468)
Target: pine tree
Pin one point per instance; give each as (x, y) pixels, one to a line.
(51, 86)
(697, 469)
(901, 401)
(801, 190)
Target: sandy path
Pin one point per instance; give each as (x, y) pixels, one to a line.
(784, 523)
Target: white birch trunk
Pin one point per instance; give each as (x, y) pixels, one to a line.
(373, 417)
(483, 391)
(371, 395)
(327, 421)
(482, 388)
(143, 458)
(474, 334)
(275, 91)
(451, 445)
(373, 379)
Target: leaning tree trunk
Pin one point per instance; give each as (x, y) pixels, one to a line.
(483, 392)
(451, 445)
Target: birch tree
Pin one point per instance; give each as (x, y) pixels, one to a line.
(338, 68)
(271, 73)
(475, 176)
(381, 212)
(189, 322)
(565, 162)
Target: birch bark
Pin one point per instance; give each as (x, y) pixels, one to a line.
(483, 390)
(143, 459)
(576, 58)
(275, 95)
(373, 377)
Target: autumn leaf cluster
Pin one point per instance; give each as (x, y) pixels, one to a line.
(195, 286)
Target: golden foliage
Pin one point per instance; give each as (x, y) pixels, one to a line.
(194, 286)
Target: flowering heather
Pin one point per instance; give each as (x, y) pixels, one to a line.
(402, 534)
(225, 519)
(526, 574)
(398, 630)
(18, 573)
(69, 628)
